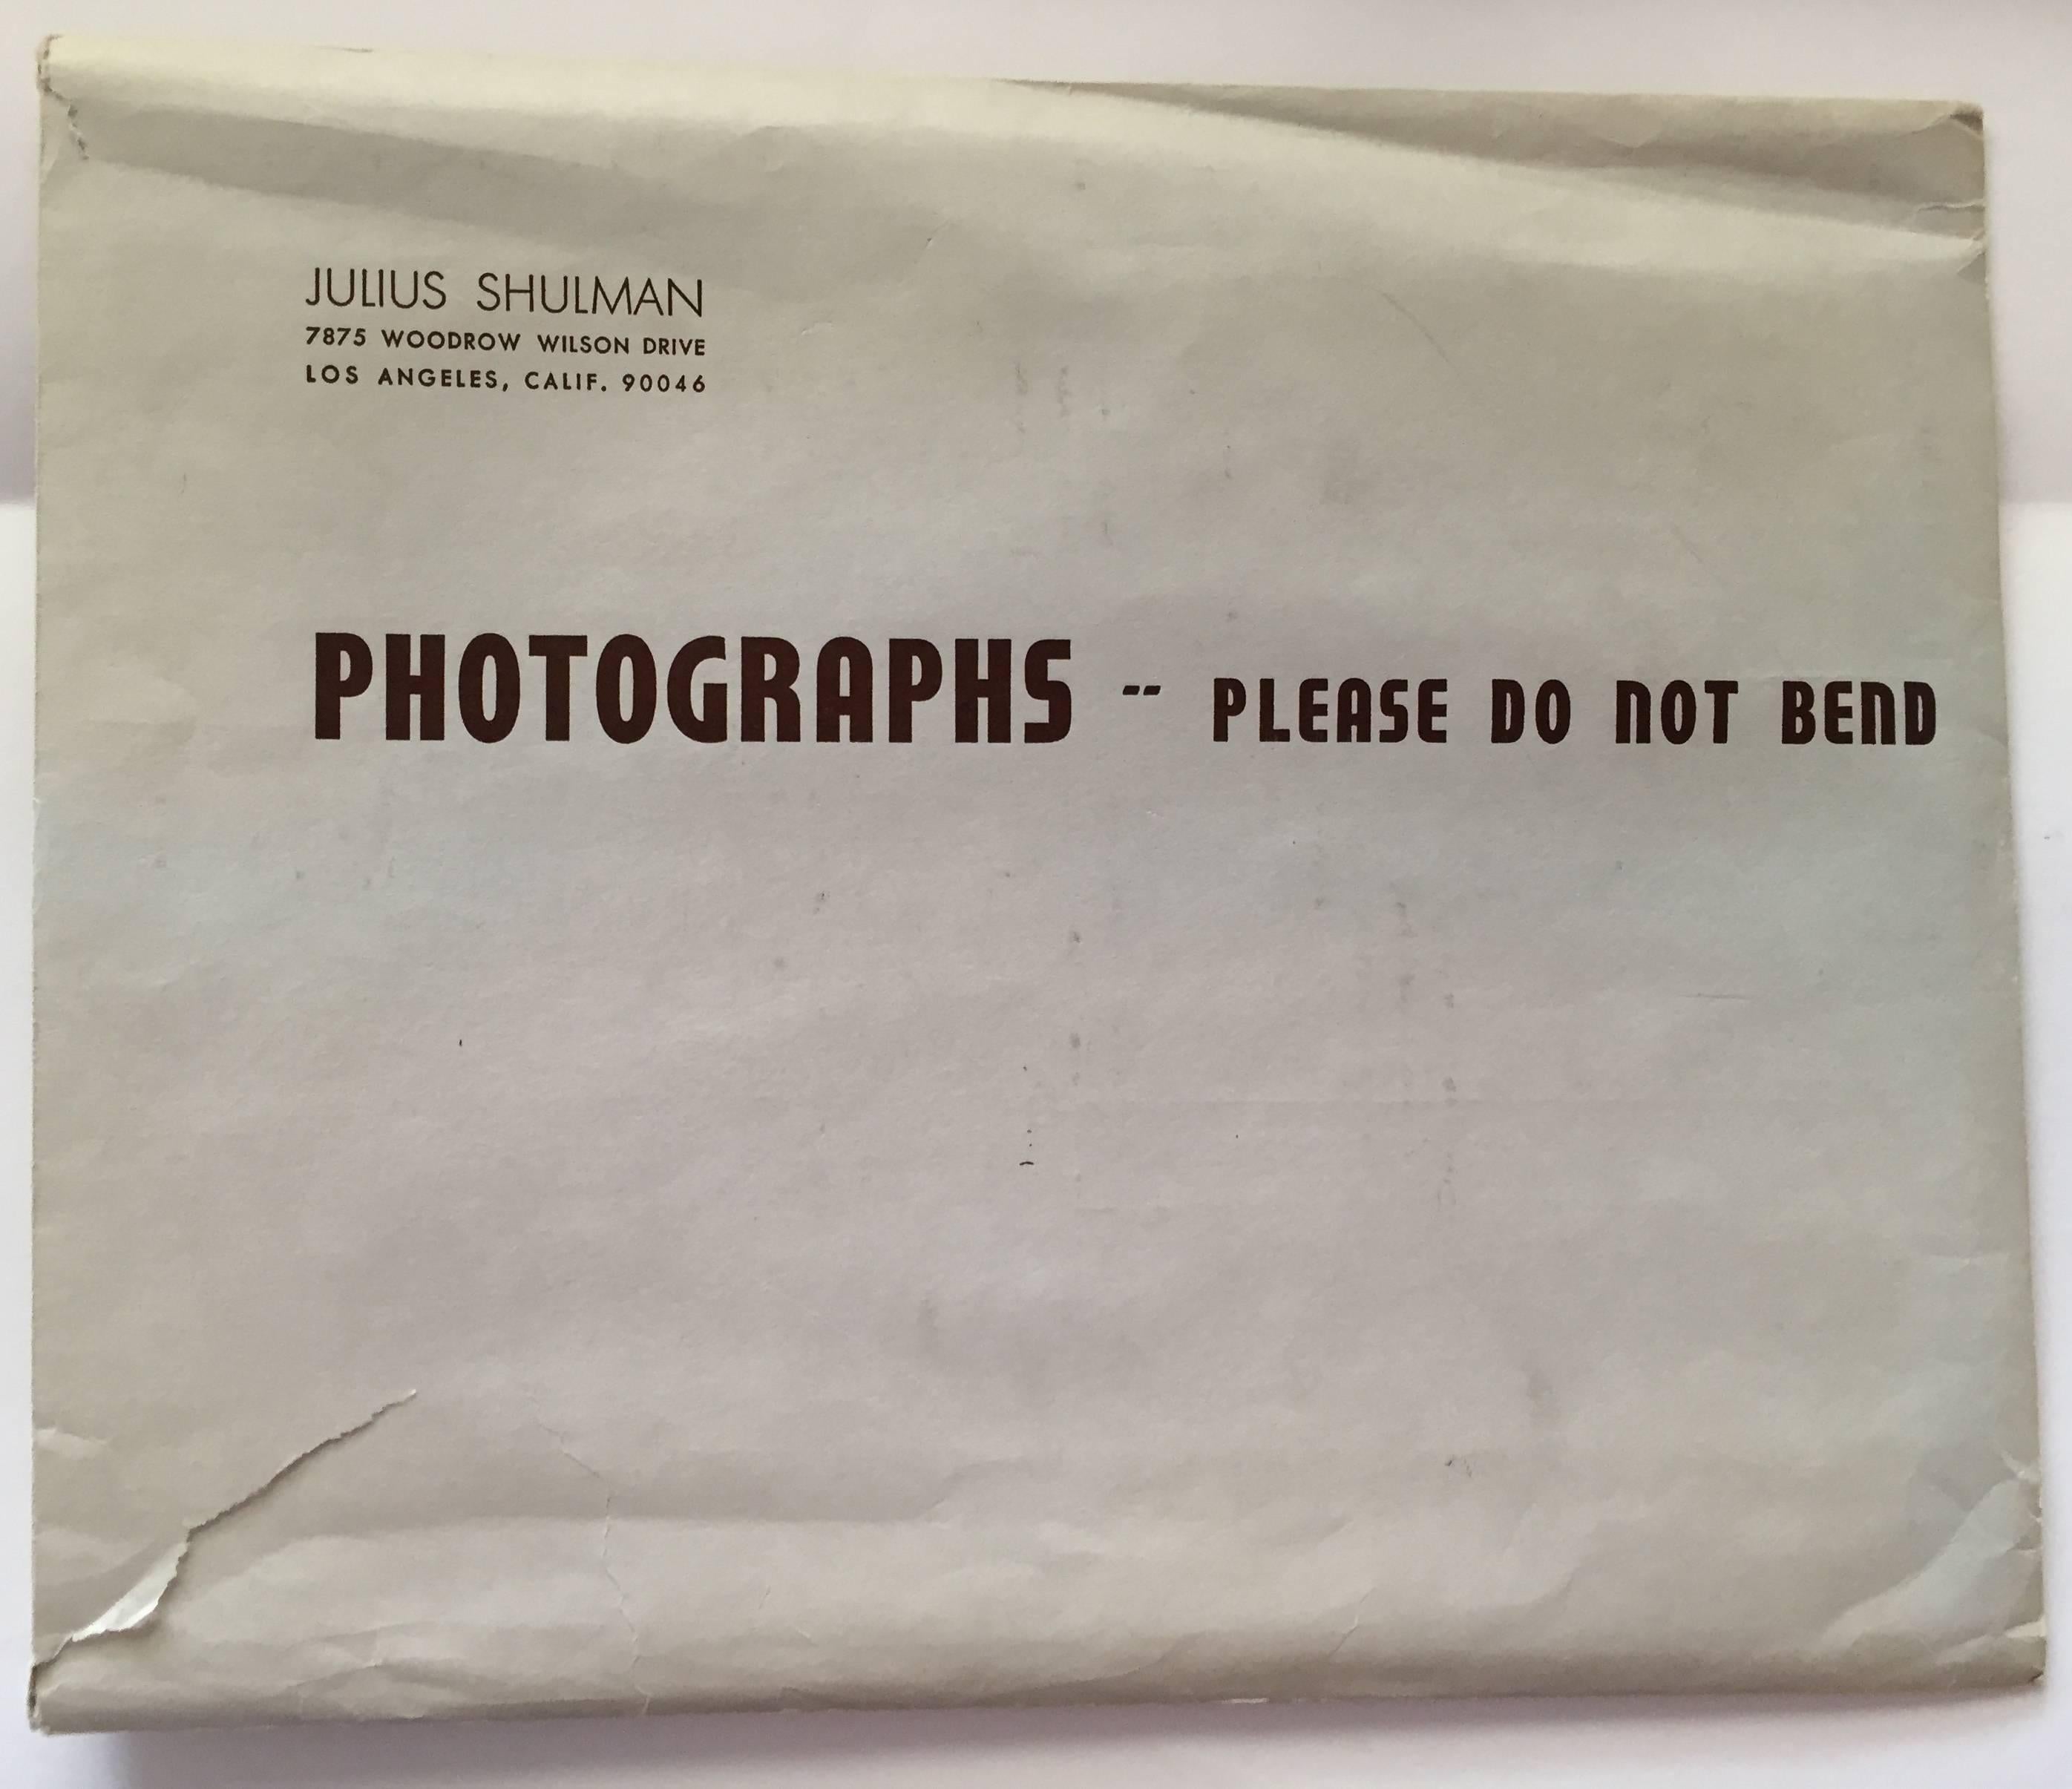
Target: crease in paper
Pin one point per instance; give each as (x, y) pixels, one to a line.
(634, 1644)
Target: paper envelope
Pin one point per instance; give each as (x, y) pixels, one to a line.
(872, 892)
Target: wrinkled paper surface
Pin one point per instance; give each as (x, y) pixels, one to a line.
(585, 1226)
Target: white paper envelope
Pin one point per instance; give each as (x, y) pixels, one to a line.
(856, 891)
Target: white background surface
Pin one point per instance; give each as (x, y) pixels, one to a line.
(2014, 56)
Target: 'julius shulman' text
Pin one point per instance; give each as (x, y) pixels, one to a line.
(551, 294)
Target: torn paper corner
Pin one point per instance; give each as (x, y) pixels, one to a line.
(139, 1605)
(136, 1605)
(48, 90)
